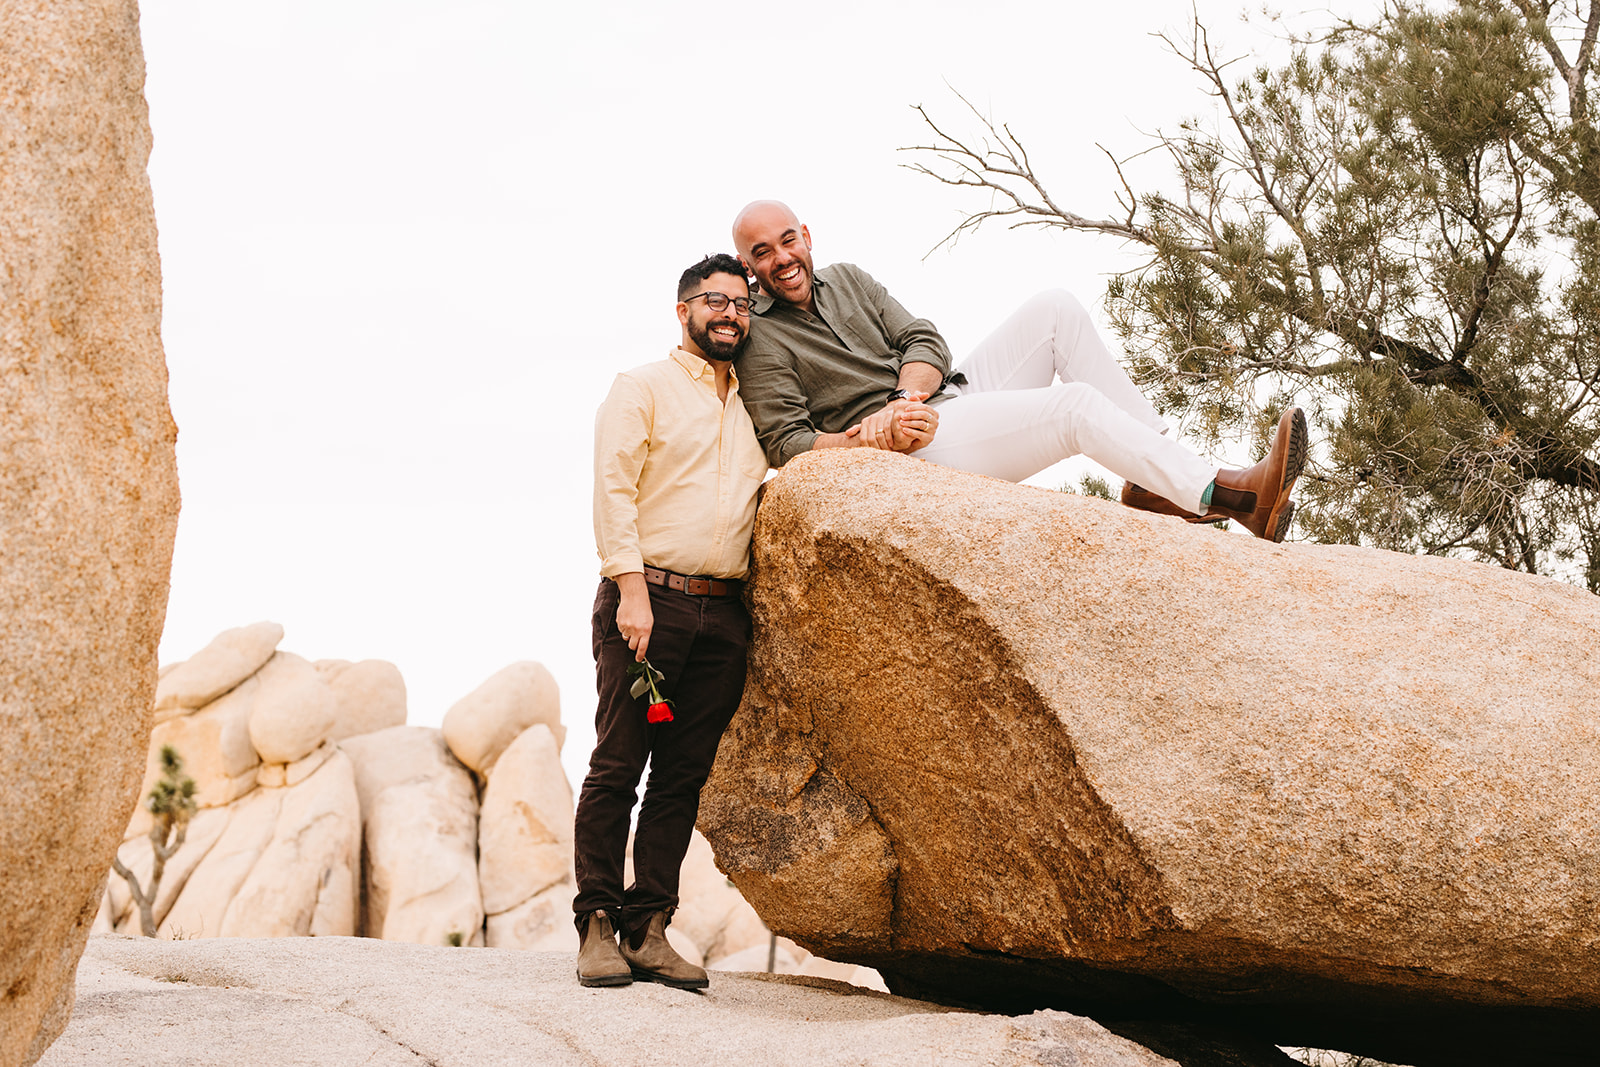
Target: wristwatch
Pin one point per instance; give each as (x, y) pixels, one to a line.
(899, 394)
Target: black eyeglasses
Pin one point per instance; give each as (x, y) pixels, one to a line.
(719, 302)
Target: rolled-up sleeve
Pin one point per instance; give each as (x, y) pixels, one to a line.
(915, 340)
(770, 387)
(621, 443)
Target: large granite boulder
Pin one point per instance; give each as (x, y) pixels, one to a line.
(88, 489)
(286, 863)
(419, 864)
(369, 696)
(1018, 748)
(230, 658)
(525, 844)
(482, 724)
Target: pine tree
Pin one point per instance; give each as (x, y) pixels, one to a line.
(1399, 230)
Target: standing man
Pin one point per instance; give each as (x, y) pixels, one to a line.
(835, 361)
(676, 469)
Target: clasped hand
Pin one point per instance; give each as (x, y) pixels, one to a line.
(902, 426)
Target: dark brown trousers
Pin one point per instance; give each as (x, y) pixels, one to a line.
(698, 643)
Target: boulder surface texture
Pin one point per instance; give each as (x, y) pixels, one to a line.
(312, 1002)
(88, 488)
(1019, 748)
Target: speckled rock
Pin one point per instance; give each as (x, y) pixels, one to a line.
(381, 1004)
(88, 489)
(1019, 747)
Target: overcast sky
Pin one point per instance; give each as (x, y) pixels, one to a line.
(407, 245)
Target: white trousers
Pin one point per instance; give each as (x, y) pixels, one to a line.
(1013, 418)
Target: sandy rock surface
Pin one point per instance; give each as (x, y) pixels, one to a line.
(368, 696)
(312, 1002)
(305, 881)
(294, 709)
(1020, 746)
(482, 724)
(419, 865)
(525, 827)
(88, 488)
(230, 658)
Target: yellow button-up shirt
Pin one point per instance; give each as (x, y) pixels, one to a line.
(675, 472)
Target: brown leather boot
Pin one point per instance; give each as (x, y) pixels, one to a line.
(1265, 508)
(1137, 496)
(653, 959)
(599, 962)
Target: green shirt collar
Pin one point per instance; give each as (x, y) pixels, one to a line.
(764, 301)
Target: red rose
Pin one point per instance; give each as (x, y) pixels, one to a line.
(661, 712)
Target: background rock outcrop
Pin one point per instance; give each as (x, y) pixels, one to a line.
(88, 490)
(1020, 748)
(310, 824)
(321, 813)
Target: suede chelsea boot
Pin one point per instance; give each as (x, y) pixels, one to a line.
(599, 961)
(653, 959)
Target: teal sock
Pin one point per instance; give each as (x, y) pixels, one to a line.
(1205, 497)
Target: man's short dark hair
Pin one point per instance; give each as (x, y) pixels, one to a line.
(721, 263)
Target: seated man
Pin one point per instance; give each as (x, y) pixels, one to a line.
(834, 361)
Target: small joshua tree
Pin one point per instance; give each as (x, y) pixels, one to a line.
(171, 804)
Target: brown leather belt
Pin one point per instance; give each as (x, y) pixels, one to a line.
(693, 586)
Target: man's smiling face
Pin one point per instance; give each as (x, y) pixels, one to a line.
(777, 249)
(719, 335)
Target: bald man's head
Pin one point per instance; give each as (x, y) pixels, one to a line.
(776, 248)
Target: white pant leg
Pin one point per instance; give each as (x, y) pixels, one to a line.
(1016, 433)
(1052, 336)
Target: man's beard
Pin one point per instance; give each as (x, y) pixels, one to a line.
(715, 347)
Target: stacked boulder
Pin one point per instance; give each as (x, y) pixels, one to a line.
(322, 813)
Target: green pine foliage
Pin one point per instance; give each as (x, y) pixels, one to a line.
(1399, 229)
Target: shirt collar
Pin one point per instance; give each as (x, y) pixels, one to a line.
(764, 302)
(697, 368)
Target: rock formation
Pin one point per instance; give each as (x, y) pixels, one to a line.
(482, 724)
(419, 866)
(322, 813)
(525, 845)
(1020, 748)
(87, 484)
(310, 824)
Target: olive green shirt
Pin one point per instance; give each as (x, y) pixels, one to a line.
(803, 374)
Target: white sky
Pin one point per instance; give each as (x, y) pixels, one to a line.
(406, 245)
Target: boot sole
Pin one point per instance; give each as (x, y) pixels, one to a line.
(675, 983)
(1282, 515)
(606, 980)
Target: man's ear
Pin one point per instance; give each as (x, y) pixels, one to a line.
(683, 313)
(750, 281)
(805, 233)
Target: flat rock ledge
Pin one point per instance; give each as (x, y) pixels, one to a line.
(287, 1002)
